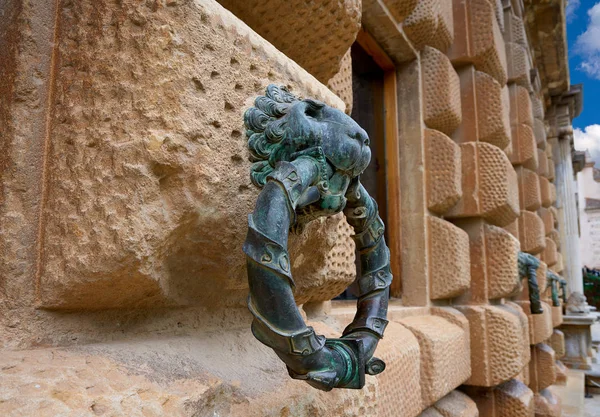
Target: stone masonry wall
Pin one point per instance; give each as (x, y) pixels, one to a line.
(125, 191)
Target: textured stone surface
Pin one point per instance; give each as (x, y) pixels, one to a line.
(478, 39)
(550, 254)
(561, 373)
(524, 148)
(557, 316)
(547, 404)
(496, 344)
(430, 23)
(540, 325)
(341, 83)
(485, 109)
(539, 130)
(443, 169)
(492, 192)
(501, 260)
(542, 164)
(316, 36)
(548, 192)
(531, 232)
(449, 262)
(441, 92)
(509, 399)
(518, 65)
(542, 372)
(529, 189)
(557, 343)
(514, 28)
(456, 404)
(520, 106)
(445, 361)
(400, 9)
(139, 151)
(400, 351)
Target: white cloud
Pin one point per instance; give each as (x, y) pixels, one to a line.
(571, 10)
(587, 44)
(588, 139)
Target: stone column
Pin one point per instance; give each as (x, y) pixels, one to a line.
(567, 209)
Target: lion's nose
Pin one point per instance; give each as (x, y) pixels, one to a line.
(361, 136)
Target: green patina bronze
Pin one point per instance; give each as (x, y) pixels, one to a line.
(307, 158)
(528, 266)
(554, 280)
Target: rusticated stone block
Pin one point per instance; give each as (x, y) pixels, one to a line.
(496, 340)
(541, 278)
(559, 266)
(400, 351)
(478, 39)
(441, 91)
(314, 36)
(542, 163)
(518, 65)
(489, 185)
(529, 189)
(540, 325)
(510, 399)
(557, 316)
(430, 24)
(524, 149)
(555, 236)
(514, 31)
(493, 253)
(501, 250)
(341, 83)
(539, 131)
(531, 233)
(339, 269)
(542, 372)
(449, 264)
(400, 9)
(156, 169)
(520, 106)
(547, 404)
(547, 218)
(443, 170)
(561, 373)
(550, 254)
(525, 346)
(445, 360)
(551, 169)
(485, 109)
(554, 215)
(546, 192)
(513, 229)
(456, 404)
(537, 106)
(557, 343)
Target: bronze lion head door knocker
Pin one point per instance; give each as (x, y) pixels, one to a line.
(307, 158)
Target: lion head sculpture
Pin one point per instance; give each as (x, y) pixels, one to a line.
(280, 125)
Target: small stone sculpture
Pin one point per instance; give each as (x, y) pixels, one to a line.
(577, 304)
(307, 158)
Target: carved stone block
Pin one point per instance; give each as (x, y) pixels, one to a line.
(557, 343)
(529, 189)
(531, 232)
(431, 23)
(488, 184)
(547, 192)
(445, 360)
(542, 164)
(443, 170)
(341, 83)
(496, 344)
(449, 262)
(518, 65)
(478, 39)
(550, 254)
(542, 372)
(441, 91)
(510, 399)
(539, 131)
(524, 148)
(520, 106)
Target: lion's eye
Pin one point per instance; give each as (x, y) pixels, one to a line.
(313, 108)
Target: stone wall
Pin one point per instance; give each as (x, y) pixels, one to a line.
(125, 191)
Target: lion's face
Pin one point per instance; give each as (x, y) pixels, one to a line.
(345, 144)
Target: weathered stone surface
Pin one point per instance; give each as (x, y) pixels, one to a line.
(489, 185)
(520, 106)
(542, 372)
(445, 361)
(316, 36)
(400, 9)
(539, 131)
(509, 399)
(147, 162)
(557, 343)
(485, 109)
(518, 65)
(529, 189)
(443, 169)
(430, 23)
(496, 344)
(449, 262)
(548, 192)
(524, 149)
(542, 168)
(341, 83)
(441, 92)
(550, 254)
(547, 404)
(531, 232)
(478, 39)
(456, 404)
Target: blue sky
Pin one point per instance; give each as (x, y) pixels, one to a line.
(583, 34)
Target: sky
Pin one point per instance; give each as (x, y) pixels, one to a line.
(583, 36)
